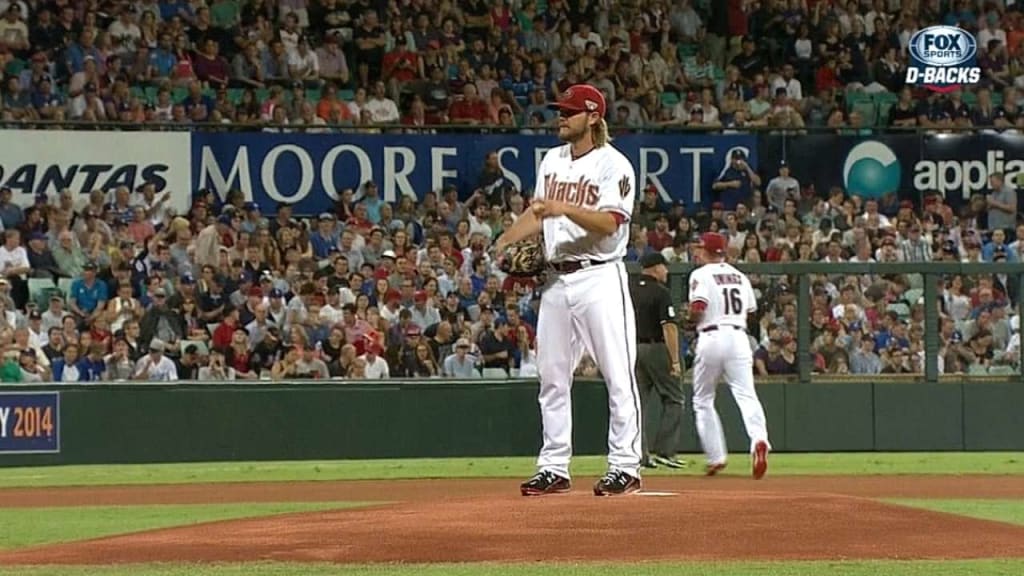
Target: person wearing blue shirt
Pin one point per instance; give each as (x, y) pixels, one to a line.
(10, 213)
(91, 367)
(197, 98)
(324, 237)
(735, 183)
(83, 50)
(162, 58)
(997, 245)
(176, 8)
(88, 294)
(371, 199)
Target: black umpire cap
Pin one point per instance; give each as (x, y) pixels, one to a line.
(653, 259)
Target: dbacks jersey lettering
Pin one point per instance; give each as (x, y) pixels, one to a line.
(725, 293)
(603, 180)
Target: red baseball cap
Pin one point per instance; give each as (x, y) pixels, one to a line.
(713, 242)
(581, 98)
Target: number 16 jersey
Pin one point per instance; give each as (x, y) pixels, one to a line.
(726, 294)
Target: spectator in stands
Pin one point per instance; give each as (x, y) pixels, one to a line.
(374, 366)
(460, 364)
(155, 366)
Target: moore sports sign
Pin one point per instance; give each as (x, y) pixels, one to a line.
(310, 170)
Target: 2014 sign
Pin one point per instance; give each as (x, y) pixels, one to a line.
(29, 422)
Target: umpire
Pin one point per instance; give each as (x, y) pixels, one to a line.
(657, 364)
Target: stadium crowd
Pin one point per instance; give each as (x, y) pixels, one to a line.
(113, 284)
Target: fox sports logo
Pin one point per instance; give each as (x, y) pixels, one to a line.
(942, 58)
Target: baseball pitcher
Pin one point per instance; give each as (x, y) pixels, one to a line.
(581, 207)
(720, 299)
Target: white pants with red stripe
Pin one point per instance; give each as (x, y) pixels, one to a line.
(588, 311)
(725, 352)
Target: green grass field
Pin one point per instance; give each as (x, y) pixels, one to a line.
(859, 464)
(48, 525)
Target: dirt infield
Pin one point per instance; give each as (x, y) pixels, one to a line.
(680, 518)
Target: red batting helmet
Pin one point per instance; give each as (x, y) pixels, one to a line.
(581, 98)
(713, 242)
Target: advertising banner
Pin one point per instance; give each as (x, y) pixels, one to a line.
(46, 161)
(909, 165)
(29, 422)
(311, 170)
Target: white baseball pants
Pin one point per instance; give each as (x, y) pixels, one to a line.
(589, 310)
(725, 351)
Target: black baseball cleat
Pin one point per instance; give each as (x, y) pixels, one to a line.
(616, 483)
(545, 482)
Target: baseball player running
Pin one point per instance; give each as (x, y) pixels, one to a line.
(720, 299)
(581, 206)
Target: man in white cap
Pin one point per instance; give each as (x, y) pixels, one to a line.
(154, 366)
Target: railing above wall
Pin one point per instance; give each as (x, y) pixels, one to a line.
(470, 128)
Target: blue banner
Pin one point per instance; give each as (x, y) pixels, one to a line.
(311, 170)
(29, 422)
(904, 166)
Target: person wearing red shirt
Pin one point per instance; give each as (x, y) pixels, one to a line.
(446, 242)
(400, 65)
(470, 109)
(417, 115)
(827, 77)
(660, 238)
(331, 107)
(224, 332)
(358, 222)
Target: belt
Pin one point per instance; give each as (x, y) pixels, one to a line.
(714, 327)
(575, 265)
(649, 341)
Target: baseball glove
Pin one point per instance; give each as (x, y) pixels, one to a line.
(523, 259)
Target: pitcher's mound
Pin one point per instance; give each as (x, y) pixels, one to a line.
(689, 525)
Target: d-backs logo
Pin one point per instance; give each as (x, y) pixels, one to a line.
(624, 187)
(942, 58)
(581, 193)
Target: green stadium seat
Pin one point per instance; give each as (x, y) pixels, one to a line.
(914, 294)
(687, 50)
(64, 284)
(854, 97)
(867, 110)
(970, 98)
(885, 97)
(883, 113)
(977, 370)
(1002, 370)
(669, 99)
(179, 93)
(902, 310)
(39, 290)
(347, 95)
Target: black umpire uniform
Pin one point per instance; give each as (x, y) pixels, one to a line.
(657, 366)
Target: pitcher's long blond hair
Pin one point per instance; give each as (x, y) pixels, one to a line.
(599, 133)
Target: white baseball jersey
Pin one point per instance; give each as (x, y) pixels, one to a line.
(603, 180)
(726, 292)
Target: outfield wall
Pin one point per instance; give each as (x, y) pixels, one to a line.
(150, 423)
